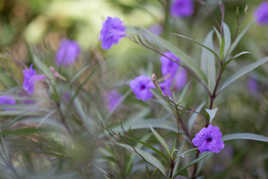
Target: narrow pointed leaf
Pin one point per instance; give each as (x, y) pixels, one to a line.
(161, 140)
(208, 61)
(227, 38)
(245, 136)
(239, 37)
(243, 71)
(147, 157)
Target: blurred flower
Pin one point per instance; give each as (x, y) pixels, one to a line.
(7, 100)
(156, 29)
(261, 14)
(112, 31)
(141, 86)
(253, 86)
(209, 139)
(169, 67)
(112, 99)
(182, 8)
(30, 78)
(67, 53)
(165, 87)
(180, 78)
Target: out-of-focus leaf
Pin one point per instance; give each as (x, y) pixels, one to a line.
(227, 38)
(239, 37)
(21, 131)
(193, 117)
(243, 71)
(156, 43)
(132, 155)
(162, 101)
(161, 140)
(198, 43)
(147, 124)
(183, 93)
(201, 157)
(208, 61)
(147, 157)
(245, 136)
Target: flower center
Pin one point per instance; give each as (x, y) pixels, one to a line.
(209, 139)
(142, 87)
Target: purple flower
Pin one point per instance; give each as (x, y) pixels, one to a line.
(182, 8)
(112, 99)
(156, 29)
(253, 86)
(165, 87)
(169, 67)
(112, 31)
(30, 78)
(209, 139)
(141, 86)
(180, 78)
(67, 53)
(7, 100)
(261, 14)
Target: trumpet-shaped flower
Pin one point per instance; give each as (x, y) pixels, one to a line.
(112, 31)
(141, 87)
(7, 100)
(182, 8)
(209, 139)
(180, 78)
(30, 78)
(168, 66)
(67, 53)
(261, 14)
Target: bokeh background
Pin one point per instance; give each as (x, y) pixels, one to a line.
(242, 108)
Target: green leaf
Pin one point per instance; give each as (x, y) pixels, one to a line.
(161, 140)
(132, 155)
(193, 117)
(245, 136)
(198, 43)
(227, 38)
(239, 37)
(201, 157)
(208, 61)
(147, 124)
(211, 113)
(158, 44)
(42, 67)
(243, 71)
(147, 157)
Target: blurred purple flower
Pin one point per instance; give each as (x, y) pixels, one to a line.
(7, 100)
(30, 78)
(169, 67)
(67, 53)
(182, 8)
(112, 99)
(165, 87)
(261, 14)
(180, 78)
(156, 29)
(141, 86)
(112, 31)
(209, 139)
(253, 86)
